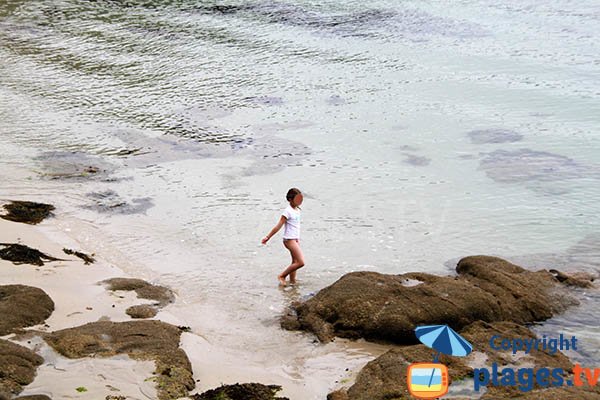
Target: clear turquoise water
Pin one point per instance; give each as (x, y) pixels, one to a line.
(420, 133)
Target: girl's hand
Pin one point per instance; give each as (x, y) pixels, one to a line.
(265, 240)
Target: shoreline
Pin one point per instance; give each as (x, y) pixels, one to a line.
(80, 299)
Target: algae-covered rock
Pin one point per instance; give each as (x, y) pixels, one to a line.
(385, 377)
(22, 306)
(242, 391)
(388, 307)
(144, 290)
(21, 254)
(141, 311)
(143, 340)
(17, 367)
(27, 211)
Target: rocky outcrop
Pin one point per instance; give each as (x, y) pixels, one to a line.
(22, 306)
(141, 311)
(143, 340)
(384, 377)
(144, 290)
(384, 307)
(242, 391)
(17, 367)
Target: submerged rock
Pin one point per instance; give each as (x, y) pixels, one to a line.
(21, 254)
(142, 340)
(22, 306)
(27, 211)
(377, 306)
(144, 290)
(17, 367)
(242, 391)
(141, 311)
(484, 136)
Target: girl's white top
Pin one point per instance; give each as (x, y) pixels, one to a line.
(292, 223)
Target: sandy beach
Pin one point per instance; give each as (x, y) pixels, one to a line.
(79, 299)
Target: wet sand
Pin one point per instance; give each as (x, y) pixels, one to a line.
(79, 299)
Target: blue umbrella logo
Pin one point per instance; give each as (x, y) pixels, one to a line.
(444, 340)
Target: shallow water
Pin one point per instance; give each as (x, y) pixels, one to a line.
(419, 132)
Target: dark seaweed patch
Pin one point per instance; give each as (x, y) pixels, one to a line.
(87, 259)
(21, 254)
(27, 211)
(242, 391)
(484, 136)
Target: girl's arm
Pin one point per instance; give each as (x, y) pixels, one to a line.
(275, 229)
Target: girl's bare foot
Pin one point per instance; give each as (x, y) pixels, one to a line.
(281, 280)
(292, 282)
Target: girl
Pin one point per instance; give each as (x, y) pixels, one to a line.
(291, 234)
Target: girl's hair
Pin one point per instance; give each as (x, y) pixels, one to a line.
(292, 193)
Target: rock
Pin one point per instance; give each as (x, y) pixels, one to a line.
(242, 391)
(143, 340)
(22, 306)
(583, 280)
(17, 367)
(21, 254)
(141, 311)
(34, 397)
(384, 307)
(143, 289)
(27, 212)
(384, 377)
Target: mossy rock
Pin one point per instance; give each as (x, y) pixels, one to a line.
(142, 340)
(22, 306)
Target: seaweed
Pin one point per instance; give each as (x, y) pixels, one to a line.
(243, 391)
(21, 254)
(87, 259)
(27, 212)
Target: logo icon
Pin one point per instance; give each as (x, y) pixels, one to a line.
(427, 380)
(431, 380)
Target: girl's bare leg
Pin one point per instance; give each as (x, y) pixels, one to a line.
(297, 261)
